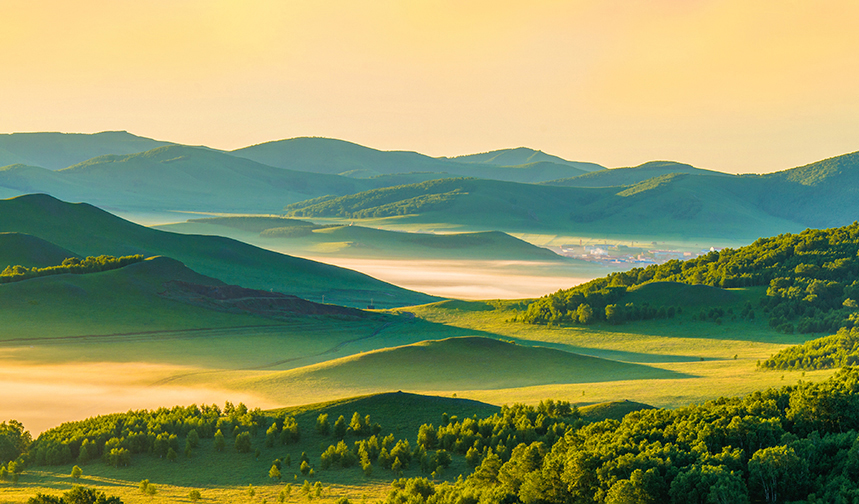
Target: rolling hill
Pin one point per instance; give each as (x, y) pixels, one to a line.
(305, 238)
(158, 294)
(30, 251)
(178, 178)
(55, 151)
(462, 363)
(87, 230)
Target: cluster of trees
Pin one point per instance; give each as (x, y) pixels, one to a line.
(77, 495)
(501, 432)
(15, 441)
(358, 426)
(797, 443)
(812, 279)
(115, 438)
(838, 350)
(70, 265)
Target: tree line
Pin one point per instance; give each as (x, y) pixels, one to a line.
(72, 265)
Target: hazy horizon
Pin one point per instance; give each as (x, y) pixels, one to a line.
(721, 85)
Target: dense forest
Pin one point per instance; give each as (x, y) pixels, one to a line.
(71, 265)
(812, 279)
(794, 444)
(838, 350)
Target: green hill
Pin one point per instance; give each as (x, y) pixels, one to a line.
(388, 409)
(629, 176)
(522, 156)
(30, 251)
(463, 363)
(86, 230)
(821, 194)
(59, 150)
(155, 295)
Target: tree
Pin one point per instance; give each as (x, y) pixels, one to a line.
(778, 473)
(195, 495)
(243, 442)
(171, 455)
(340, 427)
(151, 490)
(427, 436)
(274, 473)
(77, 472)
(323, 426)
(357, 424)
(585, 314)
(305, 468)
(219, 440)
(193, 439)
(251, 490)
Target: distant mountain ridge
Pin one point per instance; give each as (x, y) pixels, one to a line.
(688, 203)
(60, 150)
(331, 156)
(521, 156)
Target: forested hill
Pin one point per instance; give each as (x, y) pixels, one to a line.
(812, 279)
(655, 199)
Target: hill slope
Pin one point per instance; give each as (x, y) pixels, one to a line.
(87, 230)
(462, 363)
(30, 251)
(59, 150)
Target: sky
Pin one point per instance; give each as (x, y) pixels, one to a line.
(735, 86)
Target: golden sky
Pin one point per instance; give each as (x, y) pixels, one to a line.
(739, 86)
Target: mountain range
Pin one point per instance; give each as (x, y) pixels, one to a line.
(516, 190)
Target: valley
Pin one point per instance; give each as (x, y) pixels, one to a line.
(432, 295)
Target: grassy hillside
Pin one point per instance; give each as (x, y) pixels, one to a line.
(59, 150)
(87, 230)
(457, 364)
(30, 251)
(304, 238)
